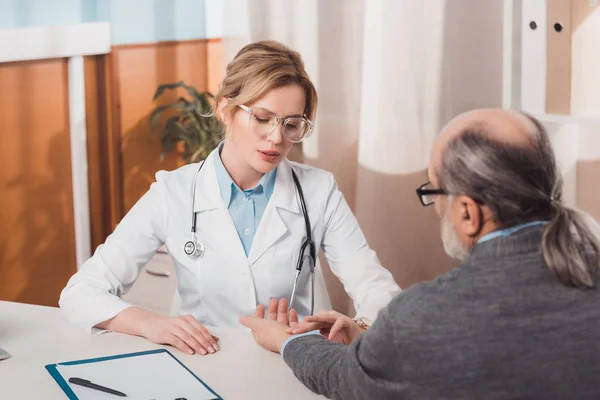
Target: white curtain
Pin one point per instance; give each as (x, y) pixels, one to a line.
(390, 74)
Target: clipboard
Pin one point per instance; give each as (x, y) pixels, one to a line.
(154, 374)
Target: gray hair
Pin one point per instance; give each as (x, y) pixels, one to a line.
(520, 184)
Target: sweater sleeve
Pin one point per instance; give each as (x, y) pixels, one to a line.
(359, 371)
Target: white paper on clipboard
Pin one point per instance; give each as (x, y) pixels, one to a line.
(156, 376)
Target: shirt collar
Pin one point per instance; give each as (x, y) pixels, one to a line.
(508, 231)
(227, 185)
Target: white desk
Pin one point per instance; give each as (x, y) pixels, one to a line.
(36, 336)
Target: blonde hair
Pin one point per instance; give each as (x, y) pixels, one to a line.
(260, 67)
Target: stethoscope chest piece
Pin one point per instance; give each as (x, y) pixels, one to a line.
(194, 249)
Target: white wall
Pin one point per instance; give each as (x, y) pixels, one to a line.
(585, 67)
(576, 142)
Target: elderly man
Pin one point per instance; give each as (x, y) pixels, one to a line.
(520, 318)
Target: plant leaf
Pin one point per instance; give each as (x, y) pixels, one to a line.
(191, 124)
(167, 86)
(157, 112)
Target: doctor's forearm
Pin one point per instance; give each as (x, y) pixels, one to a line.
(131, 321)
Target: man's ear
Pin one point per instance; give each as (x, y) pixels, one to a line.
(470, 216)
(222, 114)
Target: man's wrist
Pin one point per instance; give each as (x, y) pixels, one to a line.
(281, 340)
(362, 322)
(292, 337)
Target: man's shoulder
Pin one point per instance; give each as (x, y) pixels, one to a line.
(438, 286)
(424, 299)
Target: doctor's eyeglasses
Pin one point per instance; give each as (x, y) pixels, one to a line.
(427, 193)
(263, 122)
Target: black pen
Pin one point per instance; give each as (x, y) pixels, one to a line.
(88, 384)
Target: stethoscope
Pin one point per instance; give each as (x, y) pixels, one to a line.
(195, 249)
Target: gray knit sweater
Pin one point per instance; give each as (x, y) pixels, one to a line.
(500, 326)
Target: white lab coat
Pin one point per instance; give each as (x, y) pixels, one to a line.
(225, 284)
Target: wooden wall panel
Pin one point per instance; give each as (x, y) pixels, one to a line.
(216, 64)
(138, 70)
(37, 239)
(94, 123)
(588, 190)
(558, 57)
(37, 242)
(104, 173)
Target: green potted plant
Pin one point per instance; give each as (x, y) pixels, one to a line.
(188, 120)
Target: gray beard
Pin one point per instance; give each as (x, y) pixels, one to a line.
(452, 246)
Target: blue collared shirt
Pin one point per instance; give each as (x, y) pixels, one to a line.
(246, 207)
(509, 231)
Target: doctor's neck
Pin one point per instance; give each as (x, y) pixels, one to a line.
(241, 172)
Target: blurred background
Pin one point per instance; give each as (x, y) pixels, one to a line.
(82, 134)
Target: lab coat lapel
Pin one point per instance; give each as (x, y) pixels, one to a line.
(272, 227)
(208, 198)
(207, 195)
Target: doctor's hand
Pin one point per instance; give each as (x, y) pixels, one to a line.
(182, 332)
(332, 325)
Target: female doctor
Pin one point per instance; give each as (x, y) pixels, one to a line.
(242, 227)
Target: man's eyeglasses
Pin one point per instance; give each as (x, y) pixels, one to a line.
(264, 122)
(427, 193)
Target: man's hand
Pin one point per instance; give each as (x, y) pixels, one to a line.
(270, 331)
(278, 311)
(331, 324)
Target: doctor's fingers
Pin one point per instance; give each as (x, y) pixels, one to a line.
(212, 339)
(179, 344)
(201, 334)
(196, 341)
